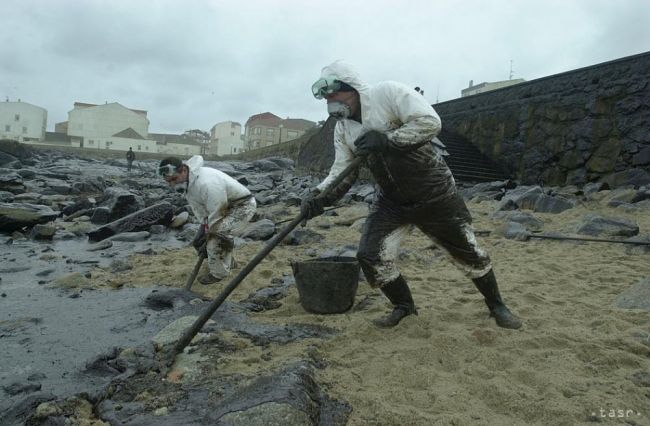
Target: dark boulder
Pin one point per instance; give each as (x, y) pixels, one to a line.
(6, 159)
(120, 202)
(15, 149)
(158, 214)
(595, 225)
(14, 216)
(82, 203)
(11, 182)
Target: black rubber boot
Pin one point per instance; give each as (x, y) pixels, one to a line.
(488, 287)
(399, 294)
(208, 279)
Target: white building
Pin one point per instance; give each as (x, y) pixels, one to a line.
(226, 138)
(176, 145)
(109, 126)
(488, 86)
(22, 122)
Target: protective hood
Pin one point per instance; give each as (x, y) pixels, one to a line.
(389, 107)
(194, 164)
(347, 74)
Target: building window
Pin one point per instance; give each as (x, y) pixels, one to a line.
(257, 131)
(24, 129)
(7, 128)
(292, 134)
(91, 142)
(270, 132)
(17, 117)
(139, 147)
(232, 133)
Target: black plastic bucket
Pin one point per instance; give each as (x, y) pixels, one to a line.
(327, 285)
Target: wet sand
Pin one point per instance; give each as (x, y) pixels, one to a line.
(574, 360)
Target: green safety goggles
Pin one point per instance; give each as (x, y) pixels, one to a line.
(166, 170)
(328, 85)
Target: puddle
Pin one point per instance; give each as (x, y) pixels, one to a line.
(48, 334)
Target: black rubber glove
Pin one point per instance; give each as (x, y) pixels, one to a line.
(312, 207)
(372, 142)
(224, 242)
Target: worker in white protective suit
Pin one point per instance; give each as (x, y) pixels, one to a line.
(219, 201)
(394, 128)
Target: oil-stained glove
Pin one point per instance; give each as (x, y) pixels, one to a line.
(372, 142)
(312, 207)
(224, 242)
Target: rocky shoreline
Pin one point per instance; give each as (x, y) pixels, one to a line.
(94, 259)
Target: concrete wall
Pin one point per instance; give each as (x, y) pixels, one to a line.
(569, 128)
(179, 149)
(290, 149)
(121, 144)
(286, 149)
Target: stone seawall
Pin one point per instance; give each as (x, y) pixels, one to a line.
(571, 128)
(313, 152)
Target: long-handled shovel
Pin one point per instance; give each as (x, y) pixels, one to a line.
(189, 334)
(596, 240)
(195, 271)
(528, 236)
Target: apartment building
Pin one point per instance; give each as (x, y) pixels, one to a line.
(226, 138)
(266, 129)
(22, 122)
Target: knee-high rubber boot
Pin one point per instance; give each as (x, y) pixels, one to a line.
(488, 287)
(399, 294)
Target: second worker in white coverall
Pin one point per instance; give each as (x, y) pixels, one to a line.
(220, 202)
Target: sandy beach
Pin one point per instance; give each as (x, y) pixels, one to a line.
(577, 359)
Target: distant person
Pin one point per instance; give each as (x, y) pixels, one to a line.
(221, 203)
(392, 127)
(130, 156)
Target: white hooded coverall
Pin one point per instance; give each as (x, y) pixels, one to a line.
(223, 205)
(415, 186)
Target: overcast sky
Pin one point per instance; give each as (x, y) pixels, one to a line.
(194, 63)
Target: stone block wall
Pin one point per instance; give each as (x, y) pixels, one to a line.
(290, 149)
(571, 128)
